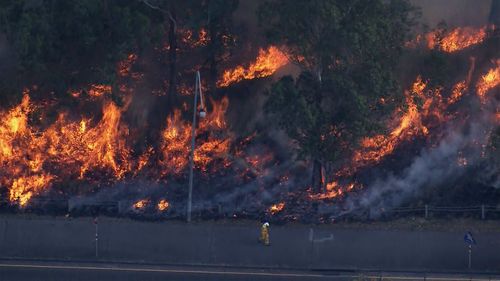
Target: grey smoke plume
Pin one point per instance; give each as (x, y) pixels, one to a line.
(432, 168)
(454, 13)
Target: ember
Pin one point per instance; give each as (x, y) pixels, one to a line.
(141, 204)
(99, 90)
(276, 208)
(488, 81)
(162, 205)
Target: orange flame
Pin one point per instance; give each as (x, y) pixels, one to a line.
(32, 159)
(456, 39)
(98, 90)
(125, 66)
(29, 156)
(24, 188)
(457, 92)
(188, 39)
(162, 205)
(266, 64)
(333, 190)
(177, 137)
(141, 204)
(276, 208)
(410, 124)
(488, 81)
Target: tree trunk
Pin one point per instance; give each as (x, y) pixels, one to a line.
(317, 176)
(172, 60)
(163, 104)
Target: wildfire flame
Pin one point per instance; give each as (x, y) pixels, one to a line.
(99, 90)
(125, 67)
(408, 125)
(162, 205)
(457, 92)
(177, 137)
(333, 190)
(188, 39)
(276, 208)
(99, 149)
(488, 81)
(66, 150)
(456, 39)
(141, 204)
(267, 62)
(373, 149)
(31, 158)
(25, 187)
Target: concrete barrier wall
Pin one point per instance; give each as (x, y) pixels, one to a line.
(236, 245)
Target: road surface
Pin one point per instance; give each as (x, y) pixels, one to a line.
(63, 271)
(234, 245)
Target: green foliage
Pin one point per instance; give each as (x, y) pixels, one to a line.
(297, 110)
(66, 41)
(348, 52)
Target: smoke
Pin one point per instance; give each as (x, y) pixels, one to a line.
(256, 196)
(124, 190)
(8, 65)
(454, 13)
(433, 168)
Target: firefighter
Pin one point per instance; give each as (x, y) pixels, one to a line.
(264, 234)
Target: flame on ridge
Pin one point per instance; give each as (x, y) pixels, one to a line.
(266, 63)
(276, 208)
(488, 81)
(456, 39)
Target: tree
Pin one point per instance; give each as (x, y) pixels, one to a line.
(348, 53)
(215, 17)
(60, 43)
(168, 10)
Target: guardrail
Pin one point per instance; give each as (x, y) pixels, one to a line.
(124, 207)
(429, 211)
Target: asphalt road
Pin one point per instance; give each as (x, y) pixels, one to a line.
(234, 245)
(35, 270)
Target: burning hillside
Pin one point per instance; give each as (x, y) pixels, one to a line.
(92, 147)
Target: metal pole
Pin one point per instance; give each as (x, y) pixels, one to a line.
(470, 256)
(482, 212)
(191, 157)
(426, 211)
(96, 238)
(311, 238)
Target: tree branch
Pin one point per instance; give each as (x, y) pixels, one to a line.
(167, 12)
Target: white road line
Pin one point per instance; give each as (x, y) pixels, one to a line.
(430, 278)
(250, 273)
(164, 270)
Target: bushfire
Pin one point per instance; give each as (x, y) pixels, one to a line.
(425, 107)
(266, 64)
(456, 39)
(42, 154)
(276, 208)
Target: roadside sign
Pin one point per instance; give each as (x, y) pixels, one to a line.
(469, 239)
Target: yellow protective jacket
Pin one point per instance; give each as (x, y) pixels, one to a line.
(264, 235)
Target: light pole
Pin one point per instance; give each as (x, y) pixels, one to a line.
(96, 223)
(197, 90)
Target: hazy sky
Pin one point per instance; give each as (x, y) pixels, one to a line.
(454, 12)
